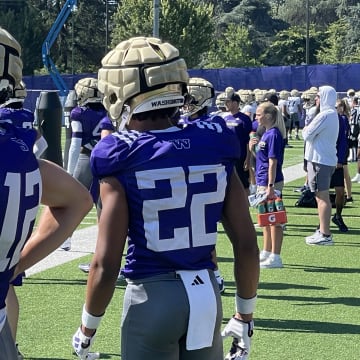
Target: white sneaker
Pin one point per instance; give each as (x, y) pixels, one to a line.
(272, 262)
(356, 178)
(264, 255)
(314, 235)
(85, 267)
(66, 246)
(319, 239)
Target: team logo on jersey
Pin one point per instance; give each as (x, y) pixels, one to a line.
(181, 143)
(261, 145)
(20, 142)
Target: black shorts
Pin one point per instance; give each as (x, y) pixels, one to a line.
(337, 179)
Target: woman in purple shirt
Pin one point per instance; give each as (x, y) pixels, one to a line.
(269, 176)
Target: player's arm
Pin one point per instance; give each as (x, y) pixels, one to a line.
(105, 265)
(239, 227)
(241, 232)
(67, 202)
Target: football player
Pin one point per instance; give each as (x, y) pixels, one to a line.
(24, 183)
(86, 127)
(164, 189)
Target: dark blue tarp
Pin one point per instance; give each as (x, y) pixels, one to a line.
(341, 76)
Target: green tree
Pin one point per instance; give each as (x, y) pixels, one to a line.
(234, 49)
(352, 38)
(187, 25)
(288, 47)
(28, 32)
(256, 16)
(333, 50)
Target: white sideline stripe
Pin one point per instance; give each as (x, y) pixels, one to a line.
(83, 240)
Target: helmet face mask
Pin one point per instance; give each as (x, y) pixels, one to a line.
(200, 95)
(142, 74)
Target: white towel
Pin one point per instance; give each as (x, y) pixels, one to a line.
(203, 308)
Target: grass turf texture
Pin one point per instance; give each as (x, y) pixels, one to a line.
(307, 310)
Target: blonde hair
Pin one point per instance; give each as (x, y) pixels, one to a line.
(276, 116)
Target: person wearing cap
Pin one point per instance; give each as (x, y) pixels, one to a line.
(163, 191)
(321, 156)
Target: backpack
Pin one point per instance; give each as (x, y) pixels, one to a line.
(307, 199)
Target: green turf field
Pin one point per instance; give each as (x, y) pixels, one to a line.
(307, 310)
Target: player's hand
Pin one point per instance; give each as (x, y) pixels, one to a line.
(82, 343)
(241, 331)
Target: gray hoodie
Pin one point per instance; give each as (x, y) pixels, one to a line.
(322, 133)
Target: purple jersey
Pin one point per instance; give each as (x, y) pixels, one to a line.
(185, 120)
(342, 147)
(86, 124)
(23, 118)
(242, 126)
(175, 182)
(20, 194)
(271, 145)
(106, 124)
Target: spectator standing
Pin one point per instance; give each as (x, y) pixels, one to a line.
(337, 179)
(160, 185)
(320, 153)
(269, 175)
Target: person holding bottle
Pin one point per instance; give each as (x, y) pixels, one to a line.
(269, 176)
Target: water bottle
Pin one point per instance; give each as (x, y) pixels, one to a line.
(261, 208)
(270, 205)
(279, 205)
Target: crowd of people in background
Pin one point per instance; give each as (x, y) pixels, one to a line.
(125, 146)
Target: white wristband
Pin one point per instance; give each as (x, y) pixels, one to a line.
(245, 306)
(90, 321)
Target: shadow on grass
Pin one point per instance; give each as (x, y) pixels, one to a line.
(305, 326)
(284, 286)
(324, 269)
(312, 301)
(52, 281)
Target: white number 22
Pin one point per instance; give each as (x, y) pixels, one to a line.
(179, 197)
